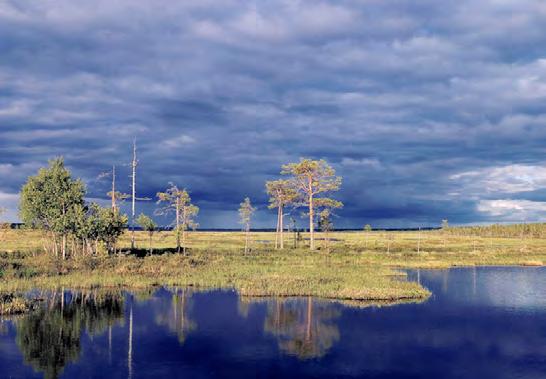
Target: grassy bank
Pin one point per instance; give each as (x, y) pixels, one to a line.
(355, 266)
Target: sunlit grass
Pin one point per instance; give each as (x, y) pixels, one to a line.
(355, 266)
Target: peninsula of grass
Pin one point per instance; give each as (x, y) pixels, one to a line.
(353, 267)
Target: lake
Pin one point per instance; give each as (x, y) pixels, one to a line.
(482, 323)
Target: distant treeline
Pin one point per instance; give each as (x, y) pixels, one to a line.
(19, 225)
(533, 230)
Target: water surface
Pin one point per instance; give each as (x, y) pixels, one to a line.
(479, 323)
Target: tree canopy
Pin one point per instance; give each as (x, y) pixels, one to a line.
(178, 201)
(310, 178)
(54, 202)
(51, 199)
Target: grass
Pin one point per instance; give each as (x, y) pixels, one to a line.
(11, 304)
(357, 267)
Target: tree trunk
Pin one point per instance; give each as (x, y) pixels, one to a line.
(63, 248)
(247, 230)
(278, 226)
(133, 197)
(55, 246)
(311, 224)
(281, 226)
(178, 225)
(184, 226)
(184, 238)
(72, 247)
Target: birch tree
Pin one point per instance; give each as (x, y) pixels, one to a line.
(178, 202)
(310, 178)
(281, 194)
(96, 224)
(49, 201)
(246, 210)
(111, 226)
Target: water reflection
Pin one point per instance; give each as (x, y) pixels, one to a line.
(49, 338)
(174, 313)
(478, 323)
(304, 328)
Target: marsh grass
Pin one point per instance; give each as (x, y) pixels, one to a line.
(353, 270)
(11, 304)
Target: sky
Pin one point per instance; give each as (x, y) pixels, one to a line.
(429, 109)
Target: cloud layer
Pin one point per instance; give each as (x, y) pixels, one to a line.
(429, 110)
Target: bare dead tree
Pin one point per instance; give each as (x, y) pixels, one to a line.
(134, 198)
(114, 195)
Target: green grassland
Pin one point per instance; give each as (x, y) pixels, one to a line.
(354, 267)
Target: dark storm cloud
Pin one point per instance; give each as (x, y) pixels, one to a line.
(427, 109)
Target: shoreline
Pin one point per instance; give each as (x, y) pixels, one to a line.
(357, 267)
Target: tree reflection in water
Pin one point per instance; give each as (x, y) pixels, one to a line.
(174, 314)
(49, 338)
(305, 328)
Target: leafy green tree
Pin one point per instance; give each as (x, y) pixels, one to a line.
(83, 228)
(281, 194)
(246, 210)
(50, 200)
(148, 225)
(178, 202)
(109, 227)
(99, 224)
(311, 178)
